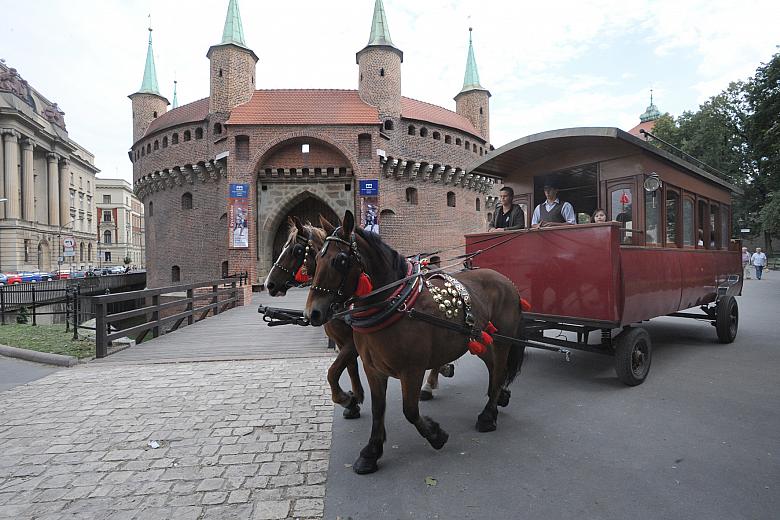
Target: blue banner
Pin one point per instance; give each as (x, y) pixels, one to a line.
(369, 188)
(239, 191)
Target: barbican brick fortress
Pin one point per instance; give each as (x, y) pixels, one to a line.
(302, 152)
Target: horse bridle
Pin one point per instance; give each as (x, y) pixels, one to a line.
(300, 250)
(342, 263)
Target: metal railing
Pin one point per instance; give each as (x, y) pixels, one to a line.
(219, 295)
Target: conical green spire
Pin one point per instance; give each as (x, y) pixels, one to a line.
(380, 31)
(149, 83)
(234, 31)
(652, 113)
(471, 78)
(175, 99)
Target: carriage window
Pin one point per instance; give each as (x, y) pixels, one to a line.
(724, 232)
(689, 237)
(703, 230)
(714, 225)
(652, 218)
(672, 202)
(621, 209)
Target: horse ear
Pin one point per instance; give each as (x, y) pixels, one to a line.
(326, 225)
(298, 224)
(348, 224)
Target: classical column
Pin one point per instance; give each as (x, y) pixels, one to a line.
(28, 181)
(54, 187)
(64, 192)
(11, 165)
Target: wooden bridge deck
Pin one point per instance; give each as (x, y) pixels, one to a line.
(239, 333)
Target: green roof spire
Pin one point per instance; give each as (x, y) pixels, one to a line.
(149, 83)
(175, 98)
(380, 31)
(652, 113)
(471, 78)
(234, 31)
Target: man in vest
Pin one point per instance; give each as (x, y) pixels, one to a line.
(507, 215)
(553, 212)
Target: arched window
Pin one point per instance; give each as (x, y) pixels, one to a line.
(187, 135)
(447, 139)
(165, 142)
(477, 204)
(411, 196)
(154, 114)
(457, 141)
(474, 147)
(224, 270)
(81, 251)
(468, 145)
(186, 201)
(382, 72)
(89, 252)
(423, 132)
(388, 124)
(107, 237)
(149, 148)
(199, 133)
(156, 144)
(217, 129)
(143, 151)
(451, 199)
(437, 136)
(151, 209)
(175, 273)
(412, 130)
(175, 139)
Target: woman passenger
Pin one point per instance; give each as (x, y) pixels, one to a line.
(599, 216)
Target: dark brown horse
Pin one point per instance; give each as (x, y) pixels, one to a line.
(409, 346)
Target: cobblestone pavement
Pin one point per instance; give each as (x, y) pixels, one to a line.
(239, 440)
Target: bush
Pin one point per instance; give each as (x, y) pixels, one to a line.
(22, 315)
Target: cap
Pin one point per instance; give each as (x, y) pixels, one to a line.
(550, 183)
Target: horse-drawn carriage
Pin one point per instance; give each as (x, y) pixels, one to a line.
(403, 316)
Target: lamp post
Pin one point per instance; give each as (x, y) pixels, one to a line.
(62, 246)
(3, 200)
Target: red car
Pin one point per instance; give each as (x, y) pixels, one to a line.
(10, 279)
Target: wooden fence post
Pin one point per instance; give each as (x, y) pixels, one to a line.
(156, 315)
(190, 293)
(215, 299)
(101, 348)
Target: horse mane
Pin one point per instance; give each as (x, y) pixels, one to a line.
(313, 231)
(394, 261)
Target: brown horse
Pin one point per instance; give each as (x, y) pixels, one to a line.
(409, 346)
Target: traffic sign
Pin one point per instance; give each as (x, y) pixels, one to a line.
(69, 242)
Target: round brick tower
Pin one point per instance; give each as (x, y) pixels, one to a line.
(147, 103)
(473, 101)
(380, 68)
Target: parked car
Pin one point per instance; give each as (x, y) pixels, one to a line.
(79, 274)
(62, 275)
(12, 278)
(3, 279)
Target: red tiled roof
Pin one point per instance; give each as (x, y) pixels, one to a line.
(646, 126)
(420, 110)
(304, 107)
(189, 113)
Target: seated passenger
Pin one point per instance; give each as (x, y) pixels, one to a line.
(599, 216)
(507, 215)
(553, 212)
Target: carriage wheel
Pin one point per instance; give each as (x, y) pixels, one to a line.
(633, 354)
(727, 319)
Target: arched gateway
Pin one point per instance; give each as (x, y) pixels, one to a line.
(308, 210)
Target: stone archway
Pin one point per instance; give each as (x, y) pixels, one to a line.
(308, 210)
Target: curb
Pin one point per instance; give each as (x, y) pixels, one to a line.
(38, 357)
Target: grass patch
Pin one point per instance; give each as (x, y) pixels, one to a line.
(46, 338)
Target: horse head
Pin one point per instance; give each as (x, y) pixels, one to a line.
(286, 271)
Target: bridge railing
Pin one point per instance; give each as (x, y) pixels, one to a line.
(164, 309)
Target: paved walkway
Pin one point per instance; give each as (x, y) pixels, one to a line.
(236, 334)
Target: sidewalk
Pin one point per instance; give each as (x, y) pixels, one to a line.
(246, 439)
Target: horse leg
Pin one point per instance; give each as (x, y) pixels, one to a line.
(432, 383)
(370, 454)
(486, 421)
(346, 358)
(428, 428)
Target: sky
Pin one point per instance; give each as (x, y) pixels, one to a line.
(548, 65)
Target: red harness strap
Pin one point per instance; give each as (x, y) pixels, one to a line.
(407, 304)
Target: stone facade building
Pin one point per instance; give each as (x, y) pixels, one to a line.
(304, 153)
(120, 224)
(47, 179)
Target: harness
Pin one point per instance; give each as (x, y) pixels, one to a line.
(300, 250)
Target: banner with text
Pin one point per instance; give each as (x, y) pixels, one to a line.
(369, 204)
(238, 216)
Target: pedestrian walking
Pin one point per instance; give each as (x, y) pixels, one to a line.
(759, 262)
(746, 264)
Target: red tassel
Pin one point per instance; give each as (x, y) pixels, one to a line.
(525, 305)
(486, 338)
(490, 328)
(301, 276)
(364, 285)
(476, 348)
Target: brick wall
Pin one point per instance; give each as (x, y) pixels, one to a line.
(379, 80)
(232, 77)
(475, 106)
(144, 108)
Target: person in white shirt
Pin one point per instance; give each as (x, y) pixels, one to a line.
(759, 262)
(553, 212)
(746, 263)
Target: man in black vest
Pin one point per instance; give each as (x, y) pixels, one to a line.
(553, 212)
(507, 215)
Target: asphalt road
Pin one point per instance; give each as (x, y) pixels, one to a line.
(15, 372)
(698, 440)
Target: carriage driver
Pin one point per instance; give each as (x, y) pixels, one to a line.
(552, 212)
(507, 215)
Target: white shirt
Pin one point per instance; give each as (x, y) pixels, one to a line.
(567, 212)
(758, 259)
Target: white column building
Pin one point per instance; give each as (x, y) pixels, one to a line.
(120, 224)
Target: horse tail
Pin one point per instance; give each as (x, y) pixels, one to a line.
(513, 363)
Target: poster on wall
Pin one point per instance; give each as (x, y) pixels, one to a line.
(369, 205)
(238, 216)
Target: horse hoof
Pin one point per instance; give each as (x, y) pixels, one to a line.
(503, 397)
(486, 426)
(364, 466)
(439, 440)
(426, 395)
(447, 370)
(353, 412)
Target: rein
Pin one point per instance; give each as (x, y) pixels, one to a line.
(302, 247)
